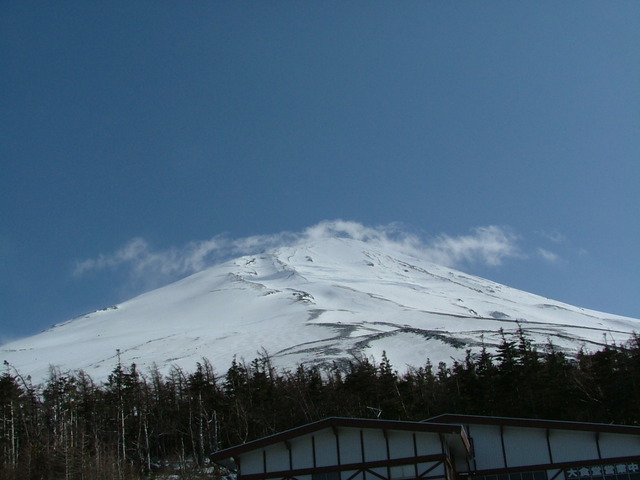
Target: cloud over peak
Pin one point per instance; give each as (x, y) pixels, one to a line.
(489, 245)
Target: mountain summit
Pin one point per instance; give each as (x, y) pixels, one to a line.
(316, 303)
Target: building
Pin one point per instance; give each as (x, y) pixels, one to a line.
(447, 447)
(524, 449)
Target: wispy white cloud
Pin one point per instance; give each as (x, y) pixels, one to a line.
(554, 236)
(489, 245)
(132, 252)
(548, 256)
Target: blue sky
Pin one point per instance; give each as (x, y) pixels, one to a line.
(154, 129)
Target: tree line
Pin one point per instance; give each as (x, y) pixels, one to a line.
(137, 425)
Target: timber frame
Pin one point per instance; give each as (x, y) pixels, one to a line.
(446, 447)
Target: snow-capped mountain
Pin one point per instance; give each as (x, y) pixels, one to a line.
(314, 303)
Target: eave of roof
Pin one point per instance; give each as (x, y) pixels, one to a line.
(336, 422)
(532, 423)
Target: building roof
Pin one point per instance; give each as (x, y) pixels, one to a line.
(457, 431)
(532, 423)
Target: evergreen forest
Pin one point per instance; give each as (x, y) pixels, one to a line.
(143, 425)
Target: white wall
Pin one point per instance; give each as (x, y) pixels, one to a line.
(251, 462)
(428, 443)
(487, 446)
(326, 453)
(401, 444)
(529, 446)
(572, 445)
(301, 452)
(522, 446)
(350, 451)
(375, 445)
(619, 445)
(277, 457)
(525, 446)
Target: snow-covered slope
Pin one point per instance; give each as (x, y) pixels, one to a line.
(313, 303)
